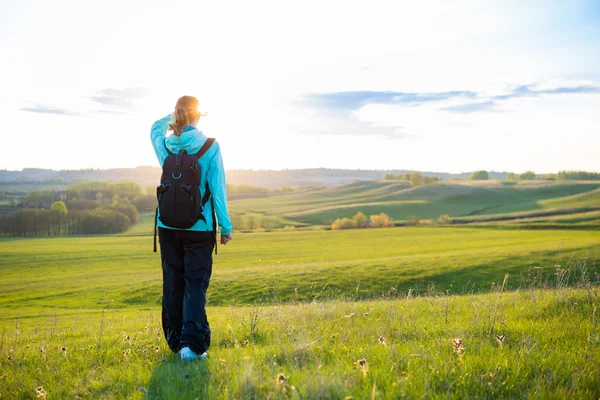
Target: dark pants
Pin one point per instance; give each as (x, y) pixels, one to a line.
(187, 266)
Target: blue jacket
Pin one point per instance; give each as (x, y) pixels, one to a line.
(211, 165)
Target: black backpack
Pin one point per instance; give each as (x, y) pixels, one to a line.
(178, 195)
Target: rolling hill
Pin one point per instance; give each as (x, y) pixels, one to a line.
(399, 200)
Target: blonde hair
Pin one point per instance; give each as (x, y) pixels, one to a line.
(186, 112)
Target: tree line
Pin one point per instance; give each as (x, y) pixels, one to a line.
(415, 178)
(37, 222)
(81, 209)
(531, 176)
(103, 207)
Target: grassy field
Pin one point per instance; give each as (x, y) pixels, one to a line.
(399, 200)
(92, 272)
(487, 308)
(512, 345)
(294, 313)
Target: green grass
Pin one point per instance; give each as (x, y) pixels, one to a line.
(310, 305)
(91, 272)
(400, 201)
(144, 226)
(588, 199)
(318, 346)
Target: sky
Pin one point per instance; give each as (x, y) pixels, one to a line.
(446, 86)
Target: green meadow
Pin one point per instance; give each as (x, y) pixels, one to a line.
(399, 200)
(294, 313)
(501, 304)
(116, 272)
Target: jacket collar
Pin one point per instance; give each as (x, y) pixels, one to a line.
(191, 139)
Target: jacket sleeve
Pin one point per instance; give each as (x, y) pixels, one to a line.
(218, 190)
(157, 136)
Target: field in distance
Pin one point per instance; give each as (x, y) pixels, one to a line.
(463, 201)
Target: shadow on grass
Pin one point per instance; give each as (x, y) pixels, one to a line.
(176, 379)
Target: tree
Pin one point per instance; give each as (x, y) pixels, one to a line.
(59, 211)
(527, 176)
(416, 179)
(578, 175)
(511, 176)
(444, 219)
(59, 207)
(380, 221)
(479, 176)
(360, 220)
(412, 221)
(342, 223)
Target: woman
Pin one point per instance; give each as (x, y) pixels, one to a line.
(186, 254)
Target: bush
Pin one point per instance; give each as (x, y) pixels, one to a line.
(444, 219)
(360, 220)
(343, 223)
(412, 221)
(380, 221)
(125, 208)
(145, 203)
(101, 221)
(527, 176)
(416, 179)
(430, 180)
(77, 204)
(479, 176)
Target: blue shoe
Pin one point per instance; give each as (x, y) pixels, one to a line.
(188, 354)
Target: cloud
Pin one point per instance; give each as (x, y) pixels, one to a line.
(538, 90)
(112, 112)
(460, 101)
(400, 115)
(471, 107)
(317, 122)
(353, 127)
(41, 109)
(344, 101)
(120, 98)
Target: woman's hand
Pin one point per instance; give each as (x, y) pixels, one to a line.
(225, 239)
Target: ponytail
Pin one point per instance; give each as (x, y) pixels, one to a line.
(186, 111)
(180, 119)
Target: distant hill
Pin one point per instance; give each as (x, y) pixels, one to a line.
(149, 176)
(566, 202)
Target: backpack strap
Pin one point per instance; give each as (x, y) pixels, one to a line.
(207, 195)
(215, 225)
(155, 223)
(205, 147)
